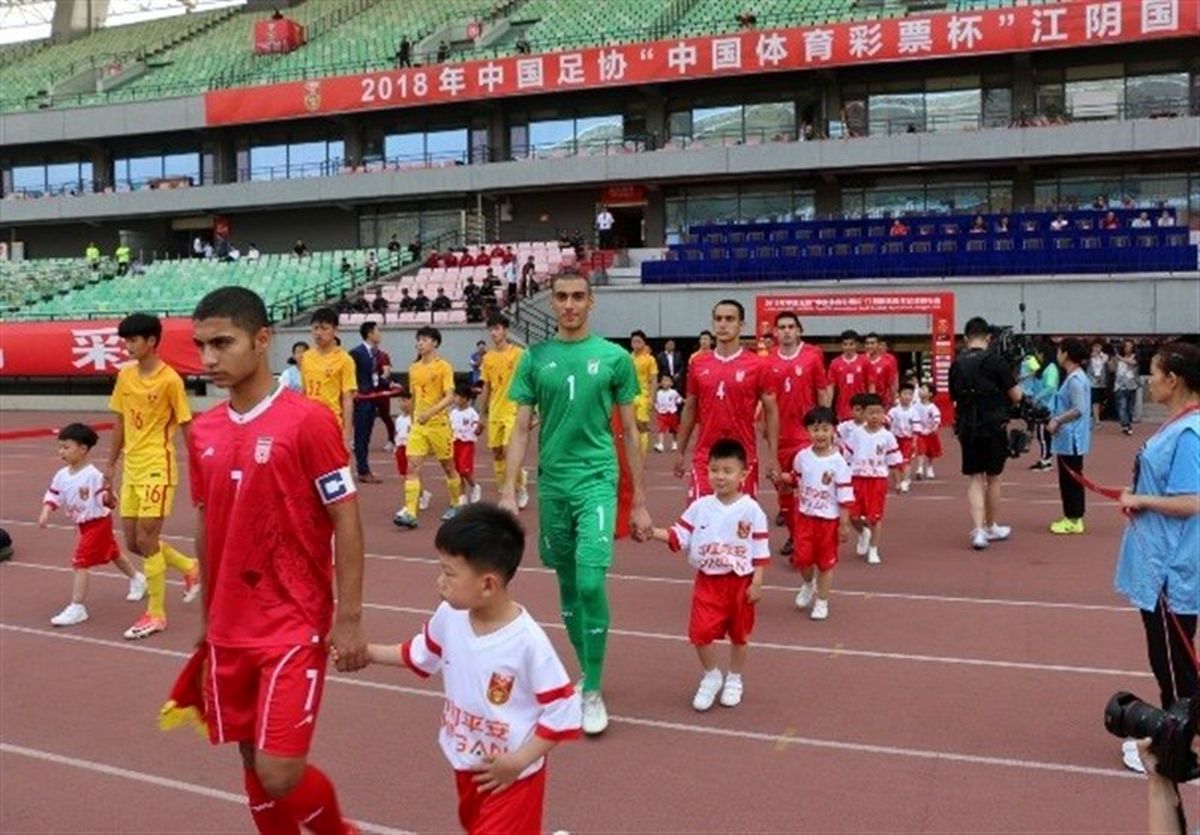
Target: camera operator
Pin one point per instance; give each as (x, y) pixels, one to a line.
(983, 385)
(1157, 562)
(1039, 382)
(1164, 807)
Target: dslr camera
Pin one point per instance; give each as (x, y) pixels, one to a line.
(1170, 732)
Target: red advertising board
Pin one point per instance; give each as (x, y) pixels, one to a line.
(277, 35)
(939, 307)
(941, 35)
(85, 348)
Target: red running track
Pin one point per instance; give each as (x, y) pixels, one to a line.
(950, 691)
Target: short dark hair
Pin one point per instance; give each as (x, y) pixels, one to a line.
(324, 316)
(570, 274)
(431, 332)
(732, 303)
(820, 414)
(708, 333)
(871, 335)
(498, 319)
(488, 538)
(364, 330)
(786, 314)
(243, 307)
(869, 400)
(976, 326)
(464, 390)
(145, 325)
(1181, 359)
(849, 334)
(907, 385)
(639, 333)
(1075, 349)
(859, 400)
(299, 344)
(932, 388)
(80, 433)
(727, 448)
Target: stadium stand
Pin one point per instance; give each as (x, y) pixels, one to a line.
(30, 282)
(934, 245)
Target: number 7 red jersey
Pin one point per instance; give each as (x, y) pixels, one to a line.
(727, 392)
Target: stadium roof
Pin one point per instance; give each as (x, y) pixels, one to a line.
(27, 20)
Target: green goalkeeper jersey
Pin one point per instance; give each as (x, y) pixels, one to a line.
(574, 386)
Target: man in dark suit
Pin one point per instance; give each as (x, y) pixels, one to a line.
(364, 407)
(670, 363)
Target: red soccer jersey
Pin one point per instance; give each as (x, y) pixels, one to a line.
(797, 381)
(727, 392)
(263, 480)
(850, 377)
(883, 375)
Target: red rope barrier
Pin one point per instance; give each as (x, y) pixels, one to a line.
(46, 432)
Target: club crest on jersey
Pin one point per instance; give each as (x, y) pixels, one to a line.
(739, 376)
(84, 492)
(593, 367)
(827, 478)
(799, 369)
(262, 451)
(500, 688)
(879, 449)
(743, 530)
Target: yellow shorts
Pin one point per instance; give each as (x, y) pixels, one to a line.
(429, 440)
(641, 409)
(146, 501)
(499, 431)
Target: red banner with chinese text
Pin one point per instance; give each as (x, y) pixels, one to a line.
(85, 348)
(277, 36)
(941, 35)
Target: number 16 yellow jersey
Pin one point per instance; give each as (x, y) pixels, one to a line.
(151, 408)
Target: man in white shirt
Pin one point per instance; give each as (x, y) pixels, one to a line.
(604, 227)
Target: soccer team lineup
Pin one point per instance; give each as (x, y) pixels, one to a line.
(514, 575)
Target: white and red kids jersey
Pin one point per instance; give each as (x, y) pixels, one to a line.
(798, 381)
(666, 401)
(872, 454)
(403, 427)
(903, 422)
(931, 419)
(501, 689)
(80, 494)
(464, 424)
(723, 538)
(727, 391)
(843, 432)
(823, 484)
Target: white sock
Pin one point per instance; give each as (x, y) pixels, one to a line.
(874, 552)
(713, 674)
(733, 677)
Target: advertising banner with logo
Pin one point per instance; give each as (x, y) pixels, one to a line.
(86, 348)
(753, 51)
(277, 36)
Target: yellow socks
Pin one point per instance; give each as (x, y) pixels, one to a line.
(501, 468)
(644, 442)
(155, 569)
(176, 560)
(454, 487)
(412, 494)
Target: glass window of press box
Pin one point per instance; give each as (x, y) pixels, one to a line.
(734, 123)
(730, 204)
(292, 160)
(448, 146)
(550, 134)
(1113, 92)
(891, 196)
(139, 170)
(1179, 191)
(42, 178)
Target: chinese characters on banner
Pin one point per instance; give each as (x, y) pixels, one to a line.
(85, 349)
(942, 35)
(939, 307)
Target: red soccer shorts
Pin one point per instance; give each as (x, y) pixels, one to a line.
(906, 448)
(268, 696)
(515, 811)
(720, 609)
(464, 458)
(402, 460)
(870, 498)
(668, 422)
(815, 542)
(699, 485)
(929, 445)
(97, 545)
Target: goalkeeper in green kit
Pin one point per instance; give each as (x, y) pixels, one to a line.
(574, 380)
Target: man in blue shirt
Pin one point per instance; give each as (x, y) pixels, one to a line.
(364, 406)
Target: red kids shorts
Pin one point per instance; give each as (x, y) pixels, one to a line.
(699, 485)
(96, 545)
(870, 498)
(268, 696)
(815, 542)
(929, 445)
(515, 811)
(402, 461)
(720, 608)
(464, 458)
(668, 422)
(907, 446)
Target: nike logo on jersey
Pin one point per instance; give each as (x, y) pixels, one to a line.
(307, 720)
(208, 453)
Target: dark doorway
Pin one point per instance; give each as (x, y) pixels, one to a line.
(629, 226)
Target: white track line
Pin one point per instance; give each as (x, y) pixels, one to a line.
(682, 727)
(681, 581)
(155, 780)
(796, 648)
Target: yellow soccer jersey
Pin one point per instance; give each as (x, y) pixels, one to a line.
(430, 382)
(327, 377)
(151, 407)
(497, 371)
(646, 368)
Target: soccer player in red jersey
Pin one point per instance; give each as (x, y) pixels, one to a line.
(848, 374)
(883, 371)
(724, 389)
(798, 378)
(270, 476)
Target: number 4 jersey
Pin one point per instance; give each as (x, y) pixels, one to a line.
(262, 481)
(727, 391)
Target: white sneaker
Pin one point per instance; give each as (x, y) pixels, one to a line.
(706, 693)
(595, 714)
(905, 485)
(423, 501)
(873, 556)
(820, 610)
(74, 614)
(463, 500)
(674, 446)
(1130, 756)
(523, 495)
(805, 596)
(979, 539)
(864, 542)
(389, 447)
(137, 587)
(658, 448)
(998, 533)
(476, 493)
(929, 472)
(731, 693)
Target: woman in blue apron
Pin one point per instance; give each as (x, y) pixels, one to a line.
(1071, 433)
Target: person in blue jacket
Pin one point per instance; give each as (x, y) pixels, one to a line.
(1070, 432)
